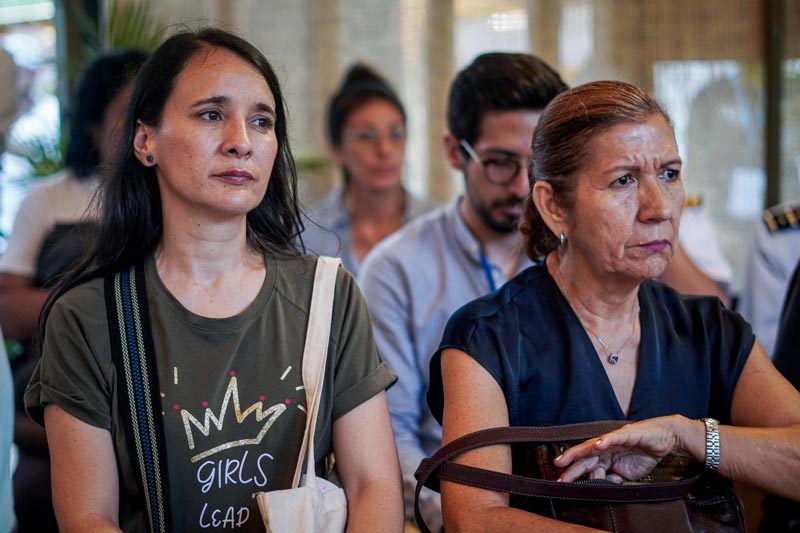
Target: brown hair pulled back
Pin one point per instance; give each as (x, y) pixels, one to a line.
(562, 142)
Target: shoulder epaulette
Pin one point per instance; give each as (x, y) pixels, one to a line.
(782, 217)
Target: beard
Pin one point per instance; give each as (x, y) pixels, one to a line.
(499, 223)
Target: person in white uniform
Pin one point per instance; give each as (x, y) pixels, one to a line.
(773, 254)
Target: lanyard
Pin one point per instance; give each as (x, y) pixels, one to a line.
(487, 270)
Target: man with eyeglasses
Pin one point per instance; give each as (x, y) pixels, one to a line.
(414, 280)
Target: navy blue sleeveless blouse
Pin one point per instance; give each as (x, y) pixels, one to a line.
(691, 353)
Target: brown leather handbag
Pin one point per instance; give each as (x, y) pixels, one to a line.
(678, 496)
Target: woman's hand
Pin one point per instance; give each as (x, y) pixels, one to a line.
(629, 452)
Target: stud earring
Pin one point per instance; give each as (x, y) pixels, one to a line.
(150, 159)
(562, 239)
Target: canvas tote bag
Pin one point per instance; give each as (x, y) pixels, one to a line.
(313, 504)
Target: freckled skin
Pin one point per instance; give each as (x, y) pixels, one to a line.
(630, 194)
(198, 140)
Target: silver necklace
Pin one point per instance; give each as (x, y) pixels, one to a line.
(613, 355)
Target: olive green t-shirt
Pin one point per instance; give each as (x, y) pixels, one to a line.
(232, 400)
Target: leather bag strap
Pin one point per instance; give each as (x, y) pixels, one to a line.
(440, 466)
(596, 491)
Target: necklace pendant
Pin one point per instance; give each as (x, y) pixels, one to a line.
(613, 358)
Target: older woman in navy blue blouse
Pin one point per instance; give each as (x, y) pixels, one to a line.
(694, 351)
(587, 335)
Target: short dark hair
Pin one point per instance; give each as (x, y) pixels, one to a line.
(130, 203)
(100, 83)
(498, 81)
(360, 85)
(562, 141)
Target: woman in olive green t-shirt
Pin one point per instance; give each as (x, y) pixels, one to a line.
(204, 196)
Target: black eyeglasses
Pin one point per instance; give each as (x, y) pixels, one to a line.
(500, 170)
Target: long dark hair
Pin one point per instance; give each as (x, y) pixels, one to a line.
(130, 202)
(100, 83)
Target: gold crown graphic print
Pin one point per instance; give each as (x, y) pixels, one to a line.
(217, 420)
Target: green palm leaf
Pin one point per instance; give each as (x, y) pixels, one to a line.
(131, 24)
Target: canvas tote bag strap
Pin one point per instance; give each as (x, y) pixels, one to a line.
(133, 353)
(315, 355)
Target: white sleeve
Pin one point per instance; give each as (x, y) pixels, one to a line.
(765, 282)
(34, 219)
(700, 241)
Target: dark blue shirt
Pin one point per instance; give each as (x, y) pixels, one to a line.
(691, 353)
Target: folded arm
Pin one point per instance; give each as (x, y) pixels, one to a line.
(20, 304)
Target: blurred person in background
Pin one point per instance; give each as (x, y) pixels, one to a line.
(415, 279)
(771, 259)
(50, 234)
(9, 97)
(367, 133)
(7, 516)
(699, 266)
(8, 112)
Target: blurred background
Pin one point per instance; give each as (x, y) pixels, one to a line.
(728, 71)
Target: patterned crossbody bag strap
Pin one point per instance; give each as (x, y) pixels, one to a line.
(133, 353)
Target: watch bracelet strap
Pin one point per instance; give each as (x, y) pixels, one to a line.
(712, 444)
